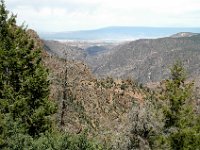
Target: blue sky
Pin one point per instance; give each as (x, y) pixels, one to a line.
(68, 15)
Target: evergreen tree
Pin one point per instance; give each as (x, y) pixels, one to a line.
(181, 129)
(168, 120)
(25, 110)
(24, 87)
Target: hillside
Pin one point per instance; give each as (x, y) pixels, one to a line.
(63, 50)
(108, 109)
(184, 34)
(101, 106)
(145, 60)
(85, 51)
(148, 60)
(98, 95)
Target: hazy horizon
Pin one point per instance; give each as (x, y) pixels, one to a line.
(106, 27)
(73, 15)
(117, 33)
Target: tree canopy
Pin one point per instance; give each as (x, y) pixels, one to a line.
(24, 88)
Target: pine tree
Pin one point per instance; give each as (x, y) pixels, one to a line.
(25, 110)
(181, 129)
(24, 87)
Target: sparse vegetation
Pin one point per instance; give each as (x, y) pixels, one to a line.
(91, 114)
(169, 120)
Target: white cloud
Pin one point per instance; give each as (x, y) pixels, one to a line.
(63, 15)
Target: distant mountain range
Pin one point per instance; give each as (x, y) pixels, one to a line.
(117, 33)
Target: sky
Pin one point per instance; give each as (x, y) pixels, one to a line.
(70, 15)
